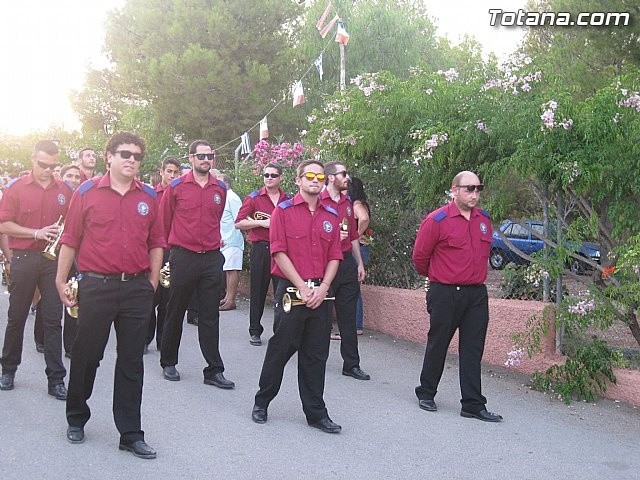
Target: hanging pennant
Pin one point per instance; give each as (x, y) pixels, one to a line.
(298, 94)
(264, 129)
(245, 144)
(342, 36)
(323, 17)
(318, 63)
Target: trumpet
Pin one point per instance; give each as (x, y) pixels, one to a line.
(259, 216)
(344, 225)
(288, 302)
(51, 250)
(71, 290)
(165, 275)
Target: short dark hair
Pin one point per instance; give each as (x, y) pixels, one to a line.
(47, 146)
(305, 163)
(68, 167)
(356, 190)
(273, 165)
(196, 143)
(120, 138)
(330, 167)
(170, 160)
(85, 149)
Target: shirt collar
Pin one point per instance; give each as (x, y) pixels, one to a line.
(105, 182)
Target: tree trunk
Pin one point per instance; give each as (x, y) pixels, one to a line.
(633, 324)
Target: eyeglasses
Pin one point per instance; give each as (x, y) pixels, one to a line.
(312, 176)
(271, 175)
(202, 156)
(471, 188)
(126, 154)
(344, 173)
(47, 166)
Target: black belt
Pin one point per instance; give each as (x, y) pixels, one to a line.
(121, 277)
(458, 287)
(178, 247)
(315, 281)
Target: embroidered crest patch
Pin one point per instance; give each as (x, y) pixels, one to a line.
(61, 199)
(143, 208)
(483, 227)
(217, 199)
(327, 227)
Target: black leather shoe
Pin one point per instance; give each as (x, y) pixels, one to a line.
(356, 373)
(170, 373)
(428, 405)
(219, 381)
(482, 415)
(259, 414)
(139, 448)
(59, 391)
(6, 381)
(326, 425)
(75, 434)
(255, 340)
(40, 347)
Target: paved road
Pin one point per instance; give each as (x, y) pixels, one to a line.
(204, 432)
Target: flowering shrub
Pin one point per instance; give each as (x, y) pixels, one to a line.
(284, 154)
(427, 144)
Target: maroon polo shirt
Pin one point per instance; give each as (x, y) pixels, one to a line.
(191, 213)
(451, 249)
(344, 207)
(29, 205)
(310, 241)
(113, 233)
(258, 201)
(159, 189)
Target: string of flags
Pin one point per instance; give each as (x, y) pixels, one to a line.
(297, 90)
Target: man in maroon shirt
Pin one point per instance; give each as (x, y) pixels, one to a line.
(29, 212)
(346, 284)
(192, 207)
(452, 251)
(265, 201)
(305, 246)
(114, 229)
(87, 164)
(169, 171)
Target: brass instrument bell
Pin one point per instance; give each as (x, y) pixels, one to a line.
(71, 290)
(259, 216)
(344, 225)
(165, 275)
(51, 250)
(288, 302)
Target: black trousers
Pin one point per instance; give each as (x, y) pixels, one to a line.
(304, 331)
(260, 270)
(126, 305)
(156, 321)
(29, 269)
(202, 273)
(451, 307)
(346, 288)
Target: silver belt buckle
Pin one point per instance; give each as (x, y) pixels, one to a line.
(123, 277)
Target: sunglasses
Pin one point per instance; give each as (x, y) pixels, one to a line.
(47, 166)
(271, 175)
(344, 173)
(126, 154)
(312, 176)
(471, 188)
(202, 156)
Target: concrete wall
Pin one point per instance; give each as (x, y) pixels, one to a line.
(403, 314)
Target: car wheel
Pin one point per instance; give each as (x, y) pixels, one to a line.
(497, 260)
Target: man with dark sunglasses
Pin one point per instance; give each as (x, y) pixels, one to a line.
(346, 284)
(114, 231)
(192, 207)
(263, 201)
(29, 214)
(452, 250)
(305, 245)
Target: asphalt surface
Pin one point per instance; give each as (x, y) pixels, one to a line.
(201, 431)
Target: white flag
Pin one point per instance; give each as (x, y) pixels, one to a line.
(318, 63)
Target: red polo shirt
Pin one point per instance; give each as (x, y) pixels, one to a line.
(451, 249)
(29, 205)
(258, 201)
(159, 189)
(113, 233)
(344, 207)
(310, 241)
(191, 213)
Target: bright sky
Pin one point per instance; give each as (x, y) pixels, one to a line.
(46, 47)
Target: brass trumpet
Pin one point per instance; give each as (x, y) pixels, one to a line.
(344, 225)
(259, 216)
(51, 250)
(71, 290)
(288, 302)
(165, 275)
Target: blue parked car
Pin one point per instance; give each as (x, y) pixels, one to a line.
(528, 243)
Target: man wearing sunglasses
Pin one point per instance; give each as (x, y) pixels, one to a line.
(346, 284)
(192, 207)
(452, 250)
(265, 201)
(305, 245)
(29, 212)
(114, 231)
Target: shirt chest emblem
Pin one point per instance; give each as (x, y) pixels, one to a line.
(349, 212)
(483, 228)
(217, 199)
(143, 208)
(327, 227)
(61, 199)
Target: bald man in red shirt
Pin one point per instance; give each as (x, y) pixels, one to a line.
(452, 250)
